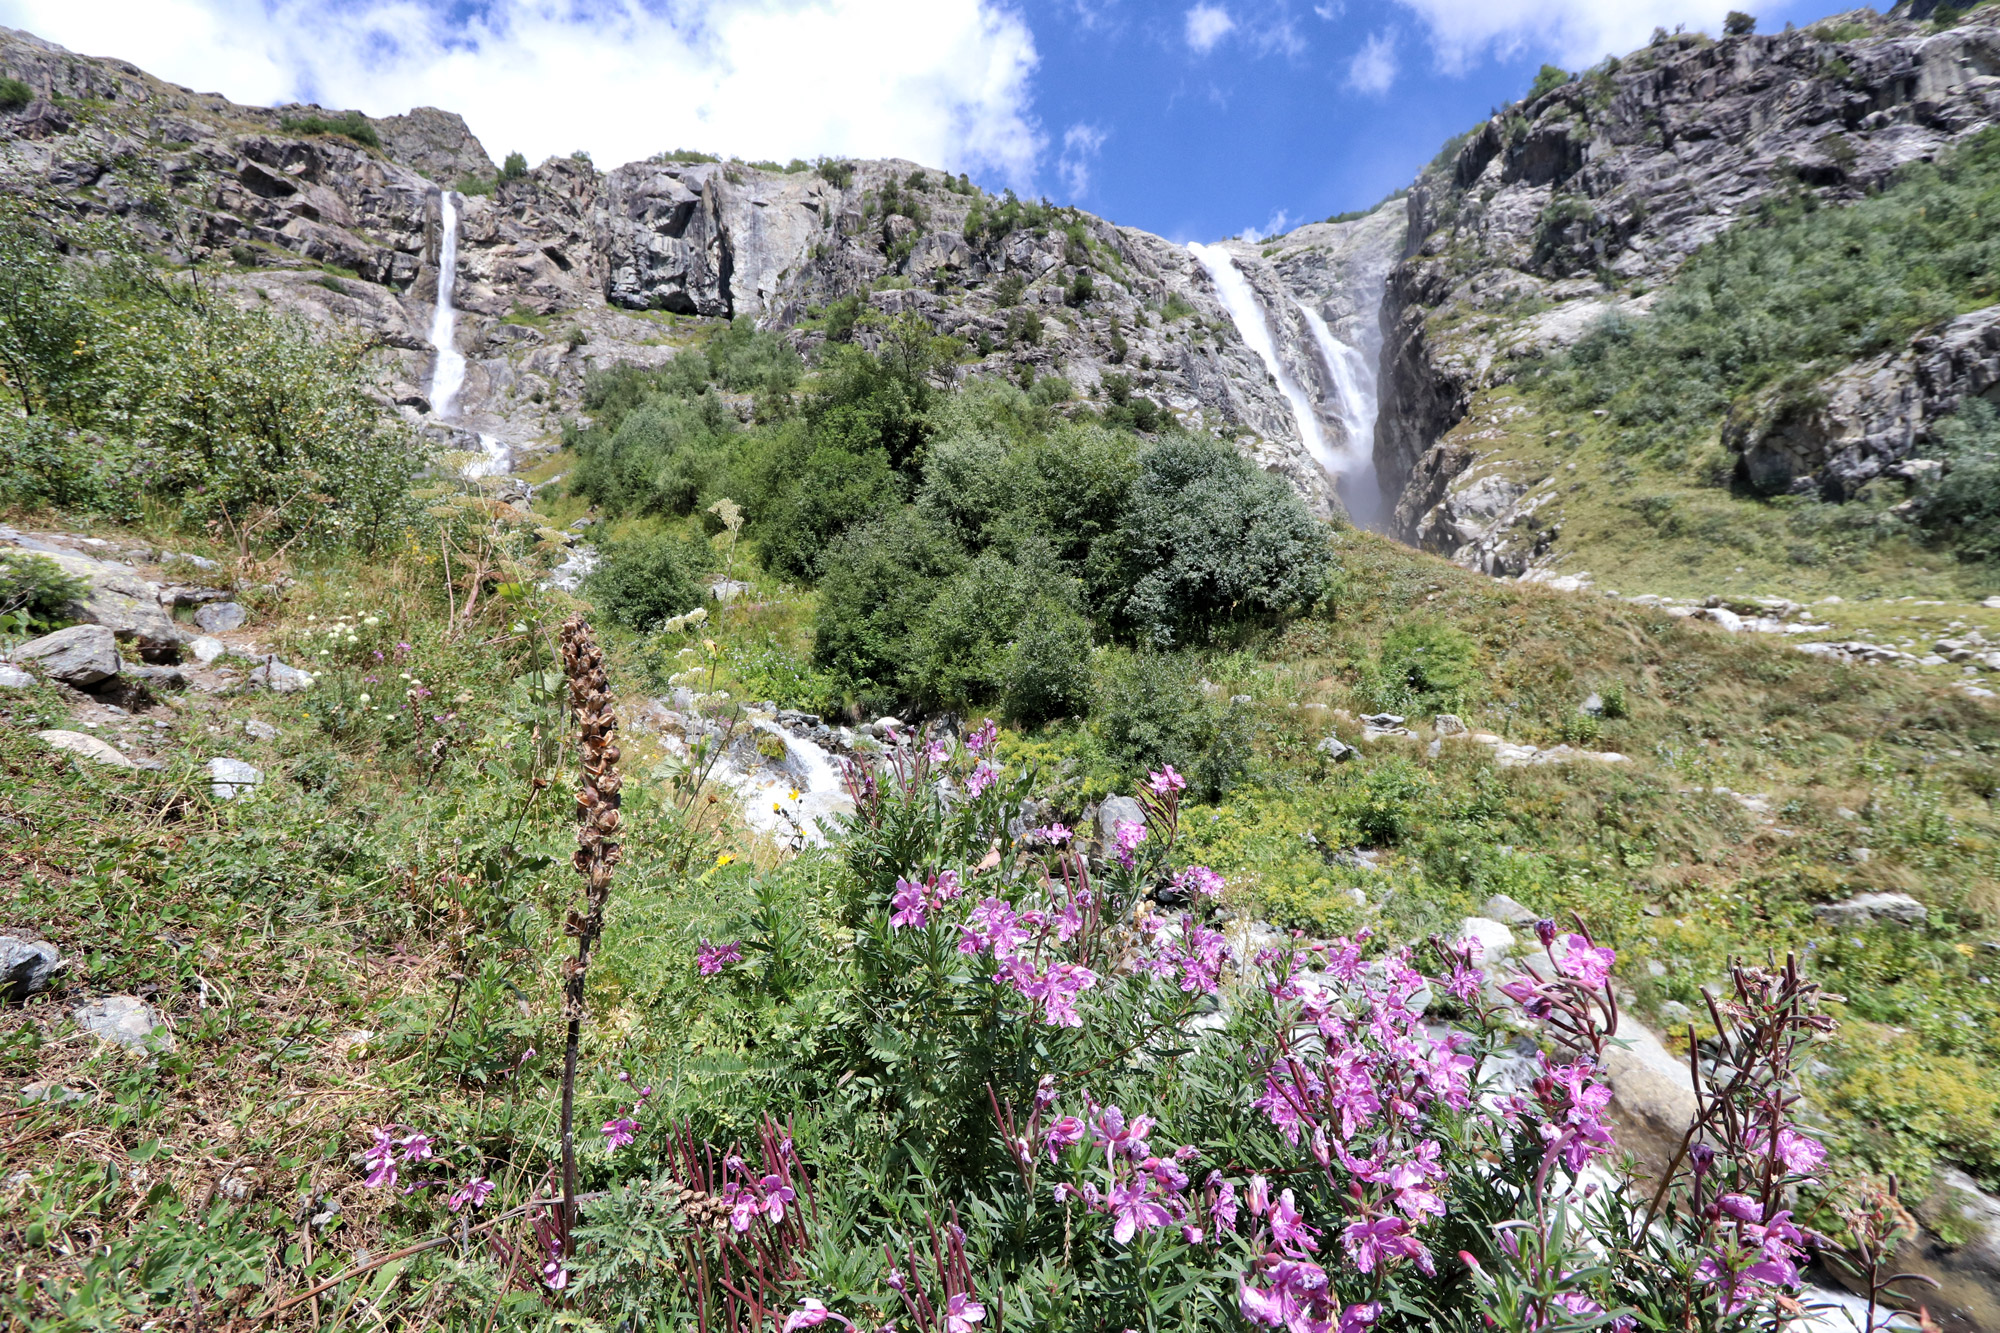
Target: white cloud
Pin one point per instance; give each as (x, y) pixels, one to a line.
(1279, 224)
(1374, 66)
(1207, 25)
(1080, 148)
(1575, 32)
(1330, 12)
(944, 82)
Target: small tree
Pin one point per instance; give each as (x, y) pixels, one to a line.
(1738, 24)
(514, 168)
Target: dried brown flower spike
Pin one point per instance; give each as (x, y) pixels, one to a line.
(596, 855)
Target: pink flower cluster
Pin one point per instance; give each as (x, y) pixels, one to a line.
(1753, 1253)
(914, 900)
(1198, 957)
(710, 959)
(1128, 836)
(620, 1131)
(751, 1196)
(387, 1153)
(1142, 1189)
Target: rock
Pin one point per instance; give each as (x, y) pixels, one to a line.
(87, 747)
(1899, 907)
(1593, 706)
(1116, 810)
(260, 730)
(230, 778)
(117, 599)
(1495, 941)
(1504, 909)
(1336, 749)
(56, 1094)
(1448, 724)
(220, 617)
(1648, 1081)
(164, 677)
(82, 655)
(13, 678)
(1991, 603)
(1374, 725)
(207, 648)
(1957, 1201)
(126, 1020)
(275, 676)
(27, 962)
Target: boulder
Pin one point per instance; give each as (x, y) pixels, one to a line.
(27, 962)
(230, 778)
(1495, 941)
(82, 655)
(1649, 1082)
(262, 731)
(275, 676)
(207, 648)
(1869, 907)
(87, 747)
(126, 1020)
(1449, 724)
(119, 600)
(1956, 1200)
(1337, 750)
(1504, 909)
(220, 617)
(13, 678)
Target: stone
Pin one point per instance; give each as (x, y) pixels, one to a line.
(220, 617)
(1449, 724)
(1336, 749)
(1495, 941)
(207, 648)
(27, 962)
(56, 1094)
(117, 599)
(126, 1020)
(1957, 1200)
(275, 676)
(230, 778)
(164, 677)
(260, 730)
(82, 655)
(1648, 1081)
(1504, 909)
(1593, 706)
(87, 747)
(13, 678)
(1116, 810)
(1869, 907)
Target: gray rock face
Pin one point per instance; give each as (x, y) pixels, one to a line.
(125, 1020)
(220, 617)
(120, 601)
(230, 778)
(1958, 1196)
(438, 144)
(1869, 907)
(1630, 173)
(85, 746)
(81, 656)
(27, 962)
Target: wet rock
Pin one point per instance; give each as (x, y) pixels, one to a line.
(85, 747)
(1870, 907)
(27, 962)
(220, 617)
(230, 778)
(126, 1020)
(80, 656)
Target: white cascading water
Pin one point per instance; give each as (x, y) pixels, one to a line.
(1241, 303)
(448, 371)
(1354, 383)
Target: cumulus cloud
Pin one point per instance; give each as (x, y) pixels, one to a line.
(945, 82)
(1374, 66)
(1575, 32)
(1081, 144)
(1207, 25)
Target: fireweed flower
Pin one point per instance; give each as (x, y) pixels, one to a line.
(981, 777)
(961, 1312)
(1201, 880)
(981, 740)
(908, 903)
(1135, 1210)
(1056, 835)
(1166, 781)
(619, 1132)
(1584, 963)
(416, 1148)
(473, 1191)
(711, 958)
(1128, 836)
(380, 1159)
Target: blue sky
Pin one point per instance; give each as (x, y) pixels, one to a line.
(1196, 119)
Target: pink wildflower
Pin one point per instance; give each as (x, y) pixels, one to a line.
(1166, 781)
(812, 1313)
(380, 1158)
(473, 1191)
(981, 740)
(1201, 880)
(961, 1312)
(712, 958)
(618, 1133)
(1135, 1210)
(1584, 963)
(1056, 835)
(909, 905)
(982, 777)
(1128, 836)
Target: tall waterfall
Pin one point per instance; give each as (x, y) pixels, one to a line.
(448, 372)
(1248, 316)
(1354, 382)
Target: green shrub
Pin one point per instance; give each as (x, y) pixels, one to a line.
(1423, 667)
(1736, 23)
(643, 581)
(1149, 709)
(514, 168)
(1209, 539)
(808, 495)
(1047, 671)
(37, 585)
(1963, 507)
(1387, 805)
(351, 125)
(15, 94)
(743, 359)
(1547, 80)
(877, 583)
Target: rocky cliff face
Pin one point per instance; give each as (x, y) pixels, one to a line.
(1578, 203)
(571, 267)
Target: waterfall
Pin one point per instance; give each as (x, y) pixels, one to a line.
(1248, 316)
(494, 458)
(448, 372)
(1354, 383)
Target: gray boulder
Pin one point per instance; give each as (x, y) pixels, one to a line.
(1502, 908)
(85, 746)
(1869, 907)
(207, 648)
(1116, 810)
(126, 1020)
(230, 778)
(119, 600)
(275, 676)
(82, 655)
(220, 617)
(1336, 749)
(13, 678)
(27, 962)
(259, 730)
(1958, 1199)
